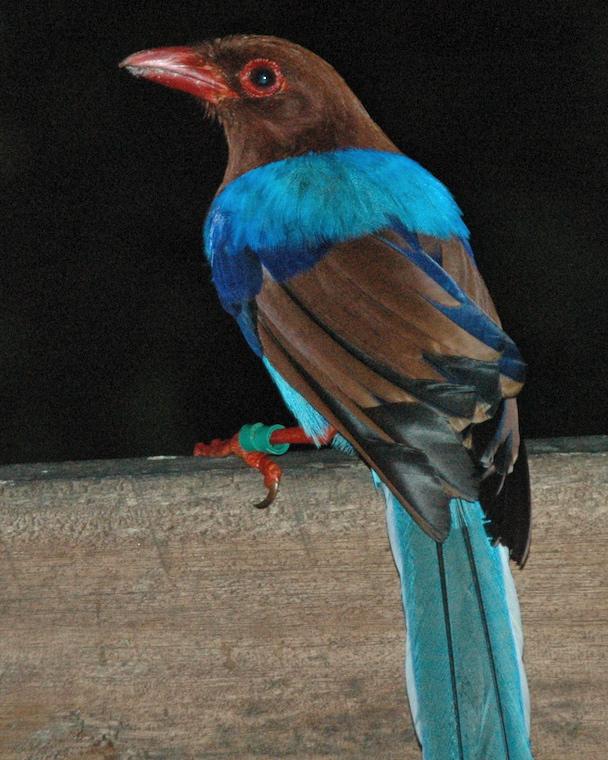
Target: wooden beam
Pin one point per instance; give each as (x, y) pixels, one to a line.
(148, 611)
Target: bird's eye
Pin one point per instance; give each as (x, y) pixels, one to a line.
(261, 77)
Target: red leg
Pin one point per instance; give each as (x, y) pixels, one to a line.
(268, 439)
(297, 435)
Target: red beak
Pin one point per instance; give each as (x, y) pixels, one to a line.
(181, 68)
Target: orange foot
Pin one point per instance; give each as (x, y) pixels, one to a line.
(253, 443)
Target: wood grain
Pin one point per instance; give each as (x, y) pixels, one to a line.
(148, 611)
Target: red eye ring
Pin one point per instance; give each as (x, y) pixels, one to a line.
(261, 77)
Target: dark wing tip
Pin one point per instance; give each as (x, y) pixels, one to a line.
(509, 510)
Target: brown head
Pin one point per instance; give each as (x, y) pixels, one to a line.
(274, 99)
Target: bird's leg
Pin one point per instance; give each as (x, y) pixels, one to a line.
(253, 444)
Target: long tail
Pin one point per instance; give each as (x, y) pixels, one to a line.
(465, 678)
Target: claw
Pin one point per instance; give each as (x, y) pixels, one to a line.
(270, 496)
(273, 440)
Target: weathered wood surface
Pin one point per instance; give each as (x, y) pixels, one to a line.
(147, 611)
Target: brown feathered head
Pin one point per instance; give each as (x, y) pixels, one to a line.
(273, 98)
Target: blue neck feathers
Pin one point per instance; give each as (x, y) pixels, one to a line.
(285, 215)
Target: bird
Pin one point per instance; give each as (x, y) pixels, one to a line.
(349, 270)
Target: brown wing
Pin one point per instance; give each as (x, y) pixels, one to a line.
(368, 337)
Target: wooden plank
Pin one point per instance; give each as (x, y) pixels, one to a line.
(148, 611)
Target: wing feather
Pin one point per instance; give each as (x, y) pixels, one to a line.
(394, 338)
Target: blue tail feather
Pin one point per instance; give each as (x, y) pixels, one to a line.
(465, 678)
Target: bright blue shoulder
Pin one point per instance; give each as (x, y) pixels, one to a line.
(286, 214)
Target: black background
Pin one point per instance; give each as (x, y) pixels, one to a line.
(112, 342)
